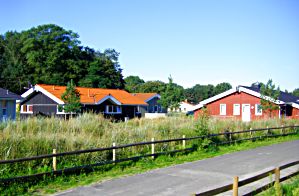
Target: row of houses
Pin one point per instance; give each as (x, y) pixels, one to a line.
(240, 103)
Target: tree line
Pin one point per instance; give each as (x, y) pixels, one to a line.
(50, 54)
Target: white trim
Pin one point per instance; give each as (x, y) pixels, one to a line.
(114, 100)
(27, 107)
(295, 105)
(154, 96)
(57, 111)
(231, 91)
(38, 88)
(222, 112)
(118, 108)
(236, 112)
(256, 112)
(216, 97)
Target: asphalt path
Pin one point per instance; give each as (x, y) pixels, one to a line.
(197, 176)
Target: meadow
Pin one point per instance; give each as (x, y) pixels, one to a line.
(37, 136)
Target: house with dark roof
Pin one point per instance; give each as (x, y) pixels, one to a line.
(244, 103)
(46, 100)
(152, 99)
(8, 105)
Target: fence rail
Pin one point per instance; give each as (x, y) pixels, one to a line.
(236, 183)
(153, 154)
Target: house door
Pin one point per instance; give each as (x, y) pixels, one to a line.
(246, 112)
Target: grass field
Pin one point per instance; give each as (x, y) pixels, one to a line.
(36, 136)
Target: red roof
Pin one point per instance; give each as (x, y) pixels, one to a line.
(93, 95)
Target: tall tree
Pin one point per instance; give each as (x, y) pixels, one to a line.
(222, 87)
(172, 96)
(296, 92)
(133, 83)
(269, 95)
(52, 55)
(71, 97)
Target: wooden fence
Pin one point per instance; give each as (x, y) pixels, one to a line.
(113, 148)
(234, 186)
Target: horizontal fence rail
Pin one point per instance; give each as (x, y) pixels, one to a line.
(153, 142)
(246, 181)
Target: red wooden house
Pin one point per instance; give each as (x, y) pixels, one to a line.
(244, 103)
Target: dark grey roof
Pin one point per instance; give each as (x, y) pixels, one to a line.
(8, 95)
(285, 97)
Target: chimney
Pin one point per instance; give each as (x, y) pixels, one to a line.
(88, 92)
(7, 92)
(53, 87)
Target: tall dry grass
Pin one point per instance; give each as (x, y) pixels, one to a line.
(36, 136)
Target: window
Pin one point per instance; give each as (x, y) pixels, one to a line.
(27, 109)
(60, 109)
(258, 109)
(4, 104)
(236, 110)
(222, 109)
(113, 109)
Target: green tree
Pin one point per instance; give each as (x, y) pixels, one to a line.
(199, 92)
(52, 55)
(104, 72)
(296, 92)
(152, 87)
(222, 87)
(71, 97)
(133, 84)
(269, 95)
(172, 96)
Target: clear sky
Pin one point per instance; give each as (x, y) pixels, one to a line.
(196, 41)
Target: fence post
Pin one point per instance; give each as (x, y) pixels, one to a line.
(250, 132)
(54, 161)
(235, 186)
(282, 130)
(184, 142)
(153, 148)
(113, 153)
(267, 130)
(277, 175)
(230, 136)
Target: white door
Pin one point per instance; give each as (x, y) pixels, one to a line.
(246, 112)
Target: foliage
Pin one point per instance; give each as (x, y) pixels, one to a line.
(71, 97)
(152, 87)
(36, 136)
(296, 92)
(172, 96)
(133, 84)
(269, 95)
(52, 55)
(200, 92)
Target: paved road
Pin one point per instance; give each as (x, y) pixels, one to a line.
(194, 177)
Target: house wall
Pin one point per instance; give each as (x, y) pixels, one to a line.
(295, 113)
(10, 110)
(41, 105)
(213, 108)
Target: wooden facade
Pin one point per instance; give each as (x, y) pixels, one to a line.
(243, 103)
(45, 100)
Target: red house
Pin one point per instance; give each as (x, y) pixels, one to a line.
(244, 103)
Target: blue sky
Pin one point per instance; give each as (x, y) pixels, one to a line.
(196, 41)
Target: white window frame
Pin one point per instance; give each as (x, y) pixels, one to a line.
(58, 112)
(27, 107)
(222, 113)
(118, 109)
(235, 111)
(257, 113)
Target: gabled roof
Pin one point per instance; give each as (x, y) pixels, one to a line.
(6, 94)
(254, 91)
(88, 95)
(146, 96)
